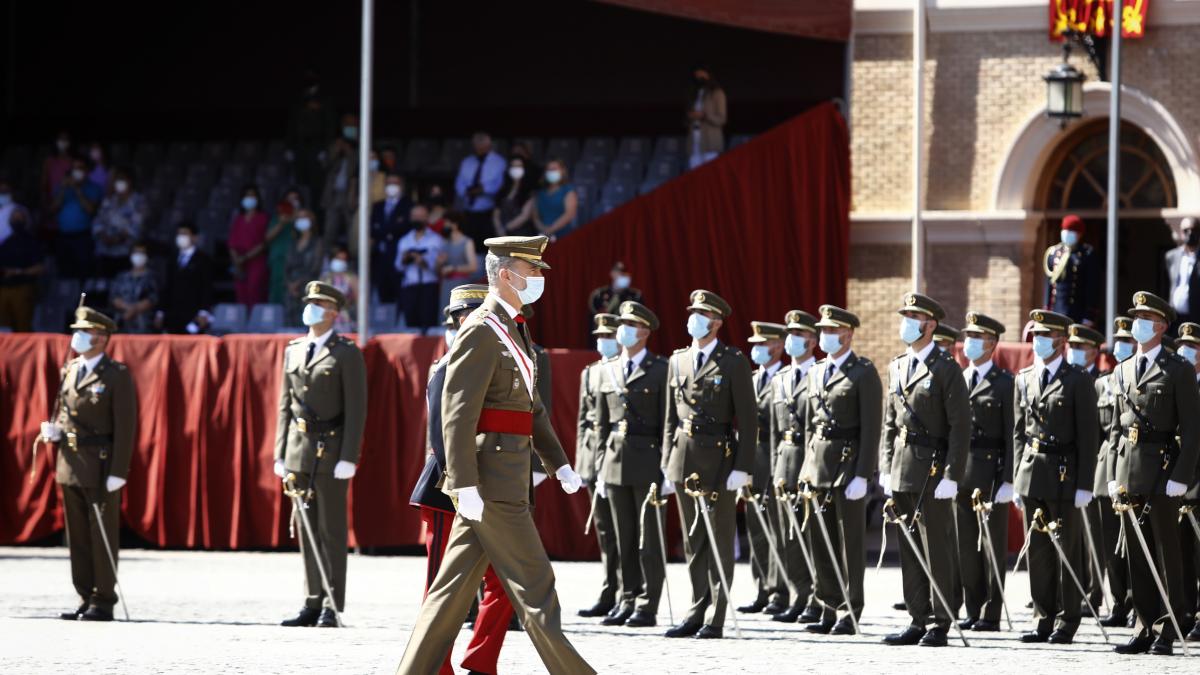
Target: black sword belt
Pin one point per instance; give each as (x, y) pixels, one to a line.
(693, 428)
(320, 427)
(75, 441)
(831, 433)
(1045, 447)
(1139, 436)
(987, 442)
(911, 437)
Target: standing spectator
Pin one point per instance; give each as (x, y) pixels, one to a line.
(20, 263)
(478, 182)
(342, 278)
(460, 264)
(436, 201)
(99, 160)
(389, 160)
(533, 170)
(279, 241)
(419, 256)
(310, 126)
(511, 215)
(118, 225)
(247, 248)
(56, 166)
(389, 219)
(134, 294)
(303, 265)
(555, 205)
(337, 198)
(185, 302)
(705, 119)
(375, 185)
(74, 205)
(1181, 275)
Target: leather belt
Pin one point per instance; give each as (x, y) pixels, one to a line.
(910, 437)
(622, 428)
(987, 443)
(792, 435)
(1139, 436)
(324, 427)
(1044, 447)
(694, 428)
(74, 441)
(837, 433)
(515, 422)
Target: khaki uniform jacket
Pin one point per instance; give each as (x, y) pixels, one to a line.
(1165, 401)
(481, 372)
(1106, 401)
(763, 451)
(103, 404)
(332, 386)
(849, 404)
(934, 403)
(789, 410)
(702, 408)
(1064, 415)
(587, 427)
(990, 461)
(630, 416)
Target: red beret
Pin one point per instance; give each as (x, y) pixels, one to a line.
(1073, 222)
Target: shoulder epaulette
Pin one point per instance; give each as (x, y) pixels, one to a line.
(1027, 369)
(680, 351)
(297, 340)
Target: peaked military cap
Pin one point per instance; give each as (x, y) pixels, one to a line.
(319, 290)
(1044, 321)
(1144, 301)
(710, 302)
(467, 296)
(1189, 332)
(1122, 325)
(764, 331)
(836, 317)
(944, 333)
(798, 319)
(978, 322)
(1081, 334)
(639, 313)
(917, 302)
(529, 249)
(606, 324)
(87, 318)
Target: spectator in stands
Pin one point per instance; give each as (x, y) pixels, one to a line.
(461, 262)
(74, 206)
(389, 159)
(134, 293)
(303, 265)
(20, 262)
(705, 118)
(118, 225)
(389, 220)
(99, 161)
(419, 256)
(341, 171)
(185, 301)
(375, 185)
(56, 166)
(310, 127)
(555, 205)
(479, 178)
(533, 170)
(279, 242)
(341, 277)
(513, 214)
(435, 200)
(247, 248)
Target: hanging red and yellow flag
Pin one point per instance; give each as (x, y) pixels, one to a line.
(1094, 17)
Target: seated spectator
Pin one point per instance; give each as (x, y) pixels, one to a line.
(186, 299)
(479, 178)
(389, 220)
(705, 119)
(303, 264)
(247, 249)
(342, 278)
(20, 263)
(279, 241)
(99, 161)
(341, 170)
(511, 217)
(74, 206)
(134, 294)
(554, 206)
(118, 225)
(419, 256)
(55, 167)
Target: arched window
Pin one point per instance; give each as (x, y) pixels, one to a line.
(1078, 171)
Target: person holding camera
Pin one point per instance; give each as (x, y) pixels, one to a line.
(419, 257)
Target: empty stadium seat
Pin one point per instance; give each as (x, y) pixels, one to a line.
(669, 146)
(738, 140)
(271, 172)
(214, 152)
(617, 191)
(276, 151)
(584, 194)
(454, 149)
(202, 174)
(248, 151)
(599, 147)
(590, 171)
(236, 173)
(500, 147)
(627, 169)
(564, 149)
(228, 317)
(120, 153)
(189, 198)
(662, 169)
(213, 222)
(638, 147)
(419, 153)
(148, 154)
(182, 151)
(265, 318)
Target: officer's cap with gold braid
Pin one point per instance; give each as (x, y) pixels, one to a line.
(529, 249)
(467, 296)
(944, 333)
(319, 290)
(87, 318)
(1189, 332)
(978, 322)
(836, 317)
(1083, 335)
(707, 301)
(638, 313)
(917, 302)
(1144, 301)
(1122, 325)
(606, 324)
(1045, 321)
(798, 319)
(764, 331)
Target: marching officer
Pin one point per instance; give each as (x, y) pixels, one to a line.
(493, 422)
(1054, 445)
(1073, 275)
(926, 443)
(845, 407)
(766, 352)
(322, 410)
(1188, 344)
(94, 427)
(1083, 348)
(945, 337)
(988, 468)
(630, 417)
(1156, 438)
(710, 429)
(587, 464)
(789, 410)
(608, 299)
(1083, 351)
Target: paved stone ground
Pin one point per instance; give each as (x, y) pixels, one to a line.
(217, 612)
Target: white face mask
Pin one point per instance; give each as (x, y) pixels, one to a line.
(516, 172)
(121, 186)
(627, 336)
(607, 347)
(760, 354)
(1069, 237)
(1043, 347)
(1188, 352)
(830, 343)
(138, 259)
(302, 224)
(449, 336)
(795, 345)
(621, 282)
(313, 314)
(392, 191)
(81, 342)
(698, 326)
(183, 242)
(534, 287)
(77, 174)
(1076, 357)
(553, 176)
(338, 266)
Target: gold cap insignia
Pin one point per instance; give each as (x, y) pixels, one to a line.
(910, 300)
(1074, 331)
(700, 297)
(1038, 317)
(626, 307)
(1186, 329)
(1140, 298)
(972, 318)
(826, 312)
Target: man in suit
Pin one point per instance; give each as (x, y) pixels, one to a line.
(389, 222)
(95, 429)
(1156, 439)
(630, 417)
(187, 296)
(1106, 523)
(710, 429)
(706, 118)
(322, 411)
(1055, 436)
(1181, 275)
(1073, 275)
(493, 421)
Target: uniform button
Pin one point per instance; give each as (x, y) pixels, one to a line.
(306, 387)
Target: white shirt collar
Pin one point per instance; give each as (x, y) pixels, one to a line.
(982, 369)
(1051, 366)
(772, 369)
(319, 340)
(186, 253)
(512, 311)
(837, 363)
(1152, 354)
(805, 365)
(707, 351)
(636, 358)
(89, 365)
(924, 354)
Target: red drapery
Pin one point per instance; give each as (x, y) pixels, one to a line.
(822, 19)
(765, 226)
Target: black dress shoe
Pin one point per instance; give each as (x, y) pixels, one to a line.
(1131, 622)
(967, 623)
(810, 615)
(754, 607)
(1061, 637)
(306, 617)
(684, 629)
(1035, 636)
(641, 619)
(790, 616)
(95, 613)
(514, 624)
(1162, 647)
(598, 609)
(909, 636)
(820, 628)
(1194, 636)
(74, 616)
(934, 637)
(1114, 621)
(1136, 645)
(843, 627)
(900, 606)
(328, 619)
(774, 609)
(985, 626)
(618, 618)
(1029, 605)
(709, 633)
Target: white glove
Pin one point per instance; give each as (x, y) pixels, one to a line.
(600, 489)
(1004, 494)
(192, 328)
(1083, 498)
(885, 482)
(946, 489)
(667, 489)
(344, 470)
(1018, 501)
(568, 479)
(856, 489)
(114, 483)
(539, 478)
(280, 469)
(51, 432)
(1175, 489)
(470, 504)
(1112, 489)
(736, 480)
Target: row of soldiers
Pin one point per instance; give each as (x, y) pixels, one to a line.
(1085, 455)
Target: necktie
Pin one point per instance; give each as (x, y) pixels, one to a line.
(974, 379)
(629, 369)
(477, 181)
(1045, 378)
(829, 368)
(795, 378)
(80, 373)
(312, 348)
(699, 360)
(1141, 366)
(912, 366)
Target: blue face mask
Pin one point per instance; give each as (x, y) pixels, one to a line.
(830, 343)
(1188, 352)
(607, 347)
(760, 354)
(698, 326)
(351, 133)
(795, 345)
(81, 342)
(313, 314)
(973, 348)
(1069, 237)
(1043, 347)
(449, 336)
(1076, 357)
(627, 335)
(1143, 330)
(1122, 351)
(249, 202)
(910, 330)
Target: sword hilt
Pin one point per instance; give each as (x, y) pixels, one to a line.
(652, 497)
(978, 503)
(290, 489)
(696, 491)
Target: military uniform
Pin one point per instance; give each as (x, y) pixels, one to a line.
(945, 337)
(710, 429)
(1054, 442)
(1189, 543)
(1073, 278)
(926, 439)
(322, 411)
(608, 300)
(845, 406)
(629, 421)
(1156, 434)
(97, 418)
(588, 457)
